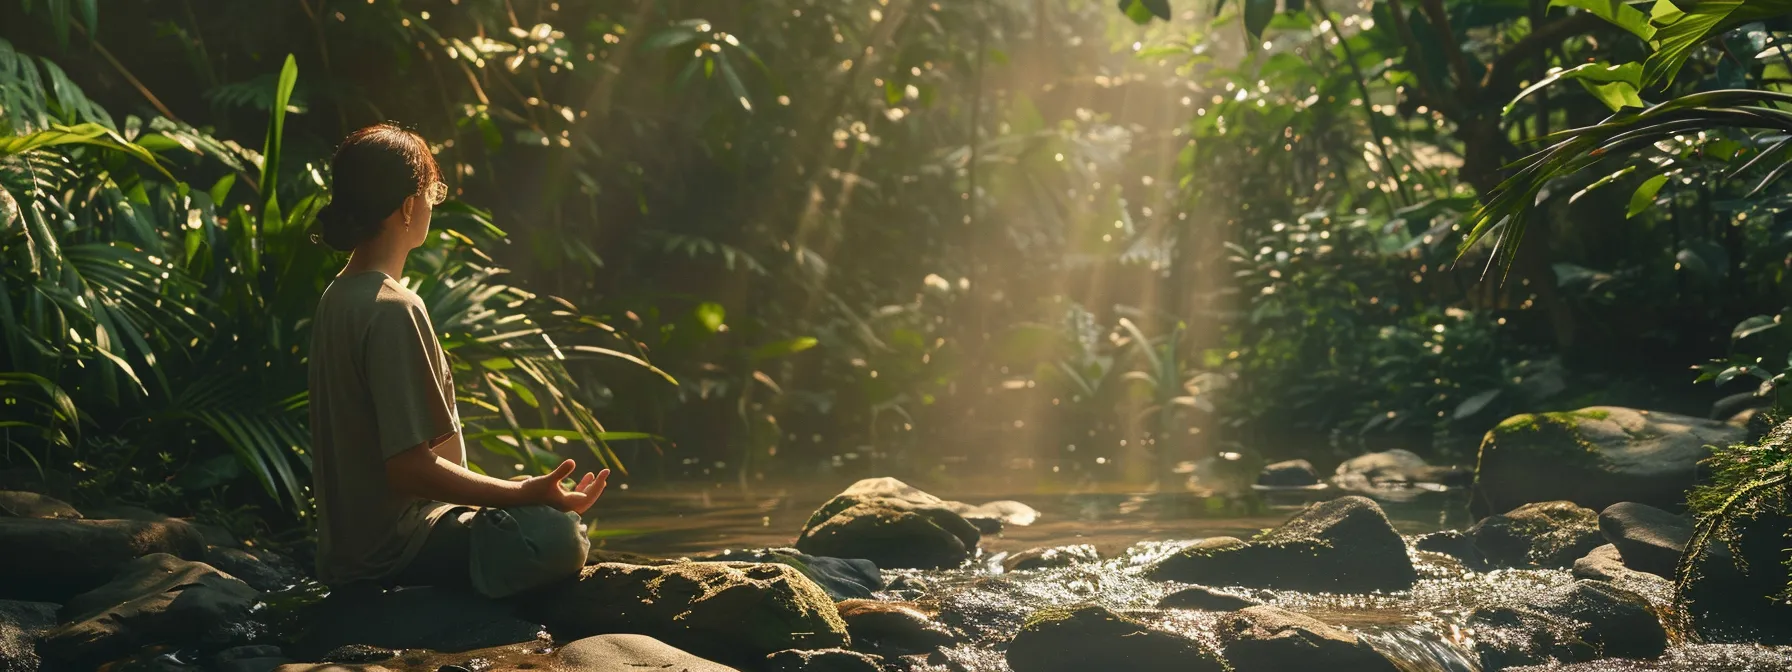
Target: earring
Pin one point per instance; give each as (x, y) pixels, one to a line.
(407, 219)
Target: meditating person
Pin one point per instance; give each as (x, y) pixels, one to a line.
(396, 504)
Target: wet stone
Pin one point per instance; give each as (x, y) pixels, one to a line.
(1542, 534)
(23, 504)
(1455, 544)
(893, 628)
(1045, 558)
(1575, 622)
(20, 625)
(1649, 539)
(728, 612)
(156, 599)
(1094, 638)
(891, 524)
(1206, 599)
(1290, 473)
(1342, 545)
(69, 557)
(842, 578)
(823, 660)
(1266, 639)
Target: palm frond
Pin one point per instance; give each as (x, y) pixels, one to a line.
(1505, 211)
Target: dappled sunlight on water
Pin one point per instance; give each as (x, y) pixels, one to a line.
(1422, 629)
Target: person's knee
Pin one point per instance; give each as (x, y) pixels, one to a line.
(520, 548)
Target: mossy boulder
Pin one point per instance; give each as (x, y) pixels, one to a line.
(843, 578)
(730, 612)
(1344, 545)
(1594, 457)
(892, 524)
(1538, 535)
(1094, 638)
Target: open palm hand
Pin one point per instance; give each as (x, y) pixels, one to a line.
(546, 489)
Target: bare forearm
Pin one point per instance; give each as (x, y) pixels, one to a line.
(443, 481)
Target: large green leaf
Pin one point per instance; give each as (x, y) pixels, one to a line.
(271, 219)
(1257, 15)
(1754, 325)
(1644, 196)
(1614, 85)
(1618, 12)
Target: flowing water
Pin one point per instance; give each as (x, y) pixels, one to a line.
(1422, 629)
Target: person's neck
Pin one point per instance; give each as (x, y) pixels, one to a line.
(377, 255)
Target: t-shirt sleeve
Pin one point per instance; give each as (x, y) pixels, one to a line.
(405, 381)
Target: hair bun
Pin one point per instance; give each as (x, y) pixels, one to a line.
(337, 229)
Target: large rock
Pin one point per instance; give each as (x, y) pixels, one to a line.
(1455, 544)
(1594, 457)
(438, 619)
(1269, 638)
(23, 504)
(1604, 564)
(1093, 638)
(1004, 512)
(1342, 545)
(891, 524)
(843, 578)
(1573, 622)
(1649, 539)
(54, 559)
(1543, 534)
(893, 628)
(602, 653)
(20, 625)
(1396, 474)
(629, 653)
(262, 569)
(731, 612)
(155, 599)
(824, 660)
(1290, 473)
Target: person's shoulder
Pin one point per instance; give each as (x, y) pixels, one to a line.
(394, 296)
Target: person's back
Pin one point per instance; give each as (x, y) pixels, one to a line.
(396, 502)
(379, 386)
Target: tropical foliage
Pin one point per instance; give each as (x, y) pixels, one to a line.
(1059, 243)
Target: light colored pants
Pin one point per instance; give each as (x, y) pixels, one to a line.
(499, 552)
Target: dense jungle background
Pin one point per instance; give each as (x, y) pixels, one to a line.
(1028, 245)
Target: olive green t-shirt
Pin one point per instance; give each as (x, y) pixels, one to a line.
(379, 385)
